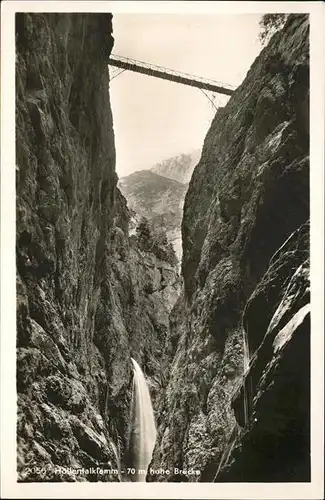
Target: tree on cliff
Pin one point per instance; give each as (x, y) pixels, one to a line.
(155, 241)
(143, 233)
(269, 24)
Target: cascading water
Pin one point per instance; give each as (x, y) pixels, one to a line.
(247, 380)
(246, 352)
(144, 428)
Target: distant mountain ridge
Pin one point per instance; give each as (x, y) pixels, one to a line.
(158, 194)
(152, 195)
(159, 199)
(179, 168)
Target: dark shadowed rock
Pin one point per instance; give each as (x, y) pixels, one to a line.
(82, 304)
(248, 194)
(272, 404)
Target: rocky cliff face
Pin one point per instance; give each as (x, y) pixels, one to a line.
(246, 280)
(271, 404)
(228, 361)
(87, 297)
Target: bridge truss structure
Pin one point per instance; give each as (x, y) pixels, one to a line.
(209, 87)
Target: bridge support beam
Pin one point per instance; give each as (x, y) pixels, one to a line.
(167, 75)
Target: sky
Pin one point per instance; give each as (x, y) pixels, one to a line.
(157, 119)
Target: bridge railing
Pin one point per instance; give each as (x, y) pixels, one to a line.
(169, 74)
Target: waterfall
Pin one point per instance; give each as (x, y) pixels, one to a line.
(144, 428)
(246, 352)
(246, 367)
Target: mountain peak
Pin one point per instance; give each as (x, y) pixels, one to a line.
(179, 168)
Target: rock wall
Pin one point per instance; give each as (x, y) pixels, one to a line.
(245, 289)
(271, 405)
(87, 298)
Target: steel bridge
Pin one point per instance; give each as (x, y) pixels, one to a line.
(149, 69)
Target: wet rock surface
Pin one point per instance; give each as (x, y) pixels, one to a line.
(244, 286)
(272, 404)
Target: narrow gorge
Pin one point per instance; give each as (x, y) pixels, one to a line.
(105, 317)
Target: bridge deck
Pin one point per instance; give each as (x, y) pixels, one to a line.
(168, 74)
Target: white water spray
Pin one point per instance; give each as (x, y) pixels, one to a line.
(144, 434)
(246, 368)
